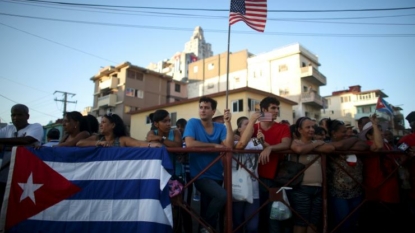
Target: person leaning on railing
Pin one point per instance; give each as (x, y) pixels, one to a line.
(307, 199)
(242, 210)
(114, 134)
(380, 180)
(75, 127)
(344, 193)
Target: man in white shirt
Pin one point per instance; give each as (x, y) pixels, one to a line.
(21, 133)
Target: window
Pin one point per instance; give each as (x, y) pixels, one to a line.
(293, 114)
(135, 75)
(195, 69)
(282, 68)
(130, 92)
(130, 74)
(148, 121)
(253, 105)
(139, 76)
(305, 89)
(345, 99)
(139, 94)
(307, 114)
(173, 118)
(211, 66)
(177, 87)
(302, 64)
(238, 105)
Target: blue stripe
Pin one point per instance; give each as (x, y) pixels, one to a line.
(31, 226)
(124, 189)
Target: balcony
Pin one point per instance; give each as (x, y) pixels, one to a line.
(312, 75)
(107, 101)
(111, 83)
(313, 99)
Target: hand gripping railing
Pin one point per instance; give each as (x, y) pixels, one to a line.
(226, 156)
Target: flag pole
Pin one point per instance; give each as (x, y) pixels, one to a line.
(227, 65)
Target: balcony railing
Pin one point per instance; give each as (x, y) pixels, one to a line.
(111, 83)
(312, 98)
(314, 76)
(107, 101)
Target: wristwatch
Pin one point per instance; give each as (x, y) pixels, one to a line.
(162, 139)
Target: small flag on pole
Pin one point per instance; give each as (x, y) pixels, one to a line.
(382, 105)
(252, 12)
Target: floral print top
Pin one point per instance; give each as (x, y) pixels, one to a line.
(339, 183)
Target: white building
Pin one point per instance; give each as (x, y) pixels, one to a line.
(352, 104)
(177, 66)
(290, 72)
(198, 45)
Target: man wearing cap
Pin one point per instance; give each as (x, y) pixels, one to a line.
(21, 133)
(409, 140)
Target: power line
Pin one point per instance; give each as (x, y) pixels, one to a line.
(58, 43)
(65, 99)
(191, 30)
(204, 9)
(31, 109)
(176, 15)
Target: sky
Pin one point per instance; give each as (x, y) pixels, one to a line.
(47, 47)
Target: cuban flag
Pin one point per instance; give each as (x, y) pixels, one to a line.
(382, 105)
(92, 189)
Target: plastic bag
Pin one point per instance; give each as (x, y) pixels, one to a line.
(280, 211)
(242, 185)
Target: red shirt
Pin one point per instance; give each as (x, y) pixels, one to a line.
(273, 136)
(410, 141)
(375, 170)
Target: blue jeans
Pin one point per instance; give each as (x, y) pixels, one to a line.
(340, 208)
(212, 199)
(265, 223)
(242, 210)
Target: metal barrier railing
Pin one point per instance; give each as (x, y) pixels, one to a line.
(226, 154)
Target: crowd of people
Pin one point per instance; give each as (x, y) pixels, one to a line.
(363, 189)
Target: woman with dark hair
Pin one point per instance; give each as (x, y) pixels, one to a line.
(345, 194)
(307, 199)
(93, 124)
(242, 210)
(113, 133)
(75, 127)
(163, 133)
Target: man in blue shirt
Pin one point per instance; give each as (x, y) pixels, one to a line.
(205, 133)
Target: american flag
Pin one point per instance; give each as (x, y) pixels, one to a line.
(252, 12)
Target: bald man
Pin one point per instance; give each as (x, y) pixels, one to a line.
(21, 133)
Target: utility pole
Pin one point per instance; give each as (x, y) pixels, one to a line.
(65, 99)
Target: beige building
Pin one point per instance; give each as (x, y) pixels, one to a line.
(290, 71)
(126, 88)
(351, 104)
(243, 99)
(208, 75)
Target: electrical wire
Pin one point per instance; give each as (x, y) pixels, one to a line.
(225, 10)
(176, 15)
(58, 43)
(191, 29)
(31, 109)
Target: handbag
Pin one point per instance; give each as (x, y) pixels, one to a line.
(241, 184)
(286, 171)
